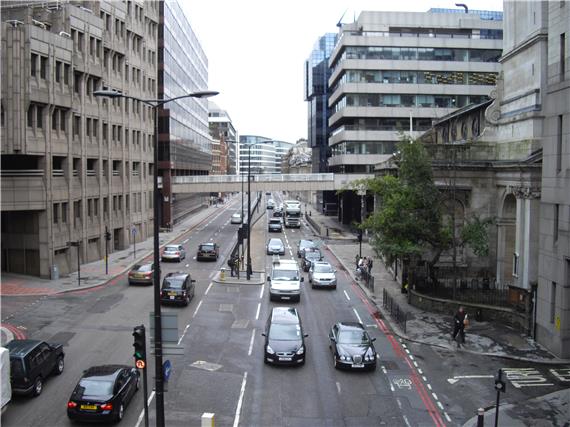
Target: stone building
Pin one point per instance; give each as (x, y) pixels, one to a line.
(74, 165)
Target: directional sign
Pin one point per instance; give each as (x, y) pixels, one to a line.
(459, 377)
(166, 370)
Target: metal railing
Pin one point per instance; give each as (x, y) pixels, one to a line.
(214, 179)
(22, 172)
(399, 315)
(472, 290)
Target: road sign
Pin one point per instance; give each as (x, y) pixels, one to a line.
(134, 231)
(166, 369)
(140, 364)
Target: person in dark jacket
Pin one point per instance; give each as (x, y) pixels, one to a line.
(459, 321)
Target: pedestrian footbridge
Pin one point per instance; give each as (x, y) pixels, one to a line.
(264, 182)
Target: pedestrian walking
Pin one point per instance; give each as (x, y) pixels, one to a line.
(459, 323)
(356, 260)
(232, 264)
(236, 266)
(369, 265)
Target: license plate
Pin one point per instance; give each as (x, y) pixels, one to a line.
(285, 297)
(172, 297)
(285, 359)
(172, 294)
(358, 365)
(89, 407)
(140, 276)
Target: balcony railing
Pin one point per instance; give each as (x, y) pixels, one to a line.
(22, 172)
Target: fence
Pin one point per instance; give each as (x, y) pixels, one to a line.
(473, 290)
(366, 278)
(399, 315)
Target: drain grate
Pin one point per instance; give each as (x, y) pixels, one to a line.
(240, 324)
(226, 307)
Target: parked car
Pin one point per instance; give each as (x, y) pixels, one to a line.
(310, 255)
(302, 244)
(270, 204)
(103, 393)
(177, 288)
(31, 363)
(274, 224)
(236, 218)
(284, 337)
(352, 347)
(322, 274)
(173, 253)
(208, 251)
(141, 274)
(275, 246)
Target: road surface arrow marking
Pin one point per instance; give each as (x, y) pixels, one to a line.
(459, 377)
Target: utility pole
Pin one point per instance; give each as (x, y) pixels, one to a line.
(107, 239)
(453, 225)
(77, 245)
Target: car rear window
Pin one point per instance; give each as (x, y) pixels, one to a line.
(171, 248)
(292, 275)
(323, 269)
(207, 247)
(173, 283)
(276, 242)
(89, 387)
(143, 268)
(16, 367)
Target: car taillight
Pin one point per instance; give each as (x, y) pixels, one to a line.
(176, 253)
(71, 404)
(148, 274)
(107, 407)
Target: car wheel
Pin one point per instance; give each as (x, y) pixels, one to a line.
(121, 412)
(335, 361)
(187, 300)
(38, 387)
(59, 365)
(138, 383)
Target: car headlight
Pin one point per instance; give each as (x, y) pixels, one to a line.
(269, 350)
(301, 350)
(344, 357)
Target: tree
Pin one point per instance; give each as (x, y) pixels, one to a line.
(409, 221)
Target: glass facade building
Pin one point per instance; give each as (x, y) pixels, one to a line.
(265, 154)
(185, 145)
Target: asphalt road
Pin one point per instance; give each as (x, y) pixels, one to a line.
(222, 371)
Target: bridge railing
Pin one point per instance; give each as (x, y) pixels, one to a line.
(215, 179)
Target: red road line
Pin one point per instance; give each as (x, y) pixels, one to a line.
(17, 333)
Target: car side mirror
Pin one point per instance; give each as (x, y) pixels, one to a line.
(333, 339)
(193, 280)
(263, 334)
(334, 271)
(305, 335)
(372, 339)
(268, 279)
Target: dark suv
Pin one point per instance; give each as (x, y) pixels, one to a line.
(177, 288)
(284, 338)
(31, 362)
(208, 250)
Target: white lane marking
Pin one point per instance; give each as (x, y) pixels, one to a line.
(424, 378)
(338, 387)
(187, 265)
(240, 401)
(357, 316)
(392, 386)
(428, 386)
(212, 274)
(346, 295)
(434, 396)
(447, 417)
(261, 292)
(251, 342)
(258, 308)
(440, 405)
(185, 241)
(141, 416)
(209, 286)
(197, 308)
(384, 370)
(404, 345)
(406, 420)
(420, 371)
(415, 364)
(183, 333)
(411, 357)
(407, 351)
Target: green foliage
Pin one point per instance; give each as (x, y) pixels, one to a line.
(474, 234)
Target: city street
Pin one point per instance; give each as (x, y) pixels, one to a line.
(222, 371)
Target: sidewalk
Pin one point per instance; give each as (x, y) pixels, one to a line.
(93, 273)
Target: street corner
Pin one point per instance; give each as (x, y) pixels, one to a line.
(16, 286)
(9, 332)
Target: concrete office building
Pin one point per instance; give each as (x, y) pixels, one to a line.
(223, 134)
(266, 154)
(73, 164)
(185, 145)
(553, 294)
(316, 77)
(390, 68)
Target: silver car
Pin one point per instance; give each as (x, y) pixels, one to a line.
(322, 274)
(275, 246)
(173, 253)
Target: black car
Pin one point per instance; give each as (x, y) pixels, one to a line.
(103, 393)
(310, 255)
(284, 338)
(177, 288)
(352, 347)
(278, 212)
(208, 251)
(302, 245)
(31, 362)
(141, 274)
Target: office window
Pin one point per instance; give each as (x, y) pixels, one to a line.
(54, 117)
(562, 56)
(56, 213)
(95, 127)
(556, 223)
(89, 207)
(96, 207)
(105, 132)
(31, 110)
(88, 127)
(63, 119)
(127, 203)
(66, 71)
(559, 136)
(39, 116)
(33, 65)
(64, 213)
(58, 67)
(43, 67)
(105, 206)
(76, 125)
(80, 41)
(552, 302)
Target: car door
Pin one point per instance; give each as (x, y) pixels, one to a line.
(191, 286)
(46, 359)
(120, 391)
(130, 384)
(333, 335)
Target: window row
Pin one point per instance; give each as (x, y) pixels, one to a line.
(405, 100)
(419, 77)
(96, 167)
(363, 147)
(384, 124)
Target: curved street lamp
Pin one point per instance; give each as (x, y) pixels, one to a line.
(155, 103)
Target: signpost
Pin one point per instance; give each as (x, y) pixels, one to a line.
(134, 231)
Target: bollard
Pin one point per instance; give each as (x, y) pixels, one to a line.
(480, 417)
(223, 274)
(327, 232)
(207, 419)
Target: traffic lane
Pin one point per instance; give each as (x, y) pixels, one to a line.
(457, 374)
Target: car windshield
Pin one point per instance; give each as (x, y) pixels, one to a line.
(284, 332)
(173, 283)
(207, 247)
(88, 387)
(285, 275)
(143, 268)
(323, 269)
(275, 221)
(171, 248)
(275, 242)
(352, 337)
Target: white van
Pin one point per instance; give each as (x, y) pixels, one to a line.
(5, 369)
(285, 280)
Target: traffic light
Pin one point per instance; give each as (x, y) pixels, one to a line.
(360, 236)
(140, 346)
(500, 385)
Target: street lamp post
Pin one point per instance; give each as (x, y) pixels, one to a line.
(154, 104)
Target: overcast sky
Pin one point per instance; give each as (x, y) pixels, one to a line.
(256, 50)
